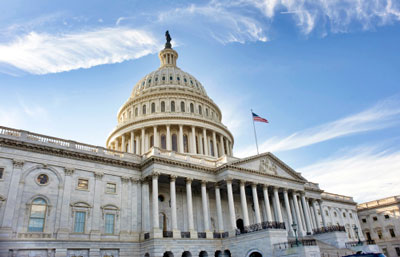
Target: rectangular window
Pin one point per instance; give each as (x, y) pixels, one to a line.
(375, 218)
(111, 188)
(368, 236)
(364, 220)
(392, 234)
(110, 219)
(80, 217)
(387, 216)
(83, 184)
(398, 251)
(379, 234)
(1, 173)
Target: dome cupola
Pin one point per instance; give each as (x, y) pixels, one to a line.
(169, 109)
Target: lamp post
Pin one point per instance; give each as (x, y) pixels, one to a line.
(358, 236)
(294, 226)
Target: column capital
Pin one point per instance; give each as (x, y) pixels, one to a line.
(173, 178)
(98, 175)
(228, 179)
(265, 186)
(204, 182)
(125, 179)
(135, 180)
(189, 180)
(155, 174)
(18, 163)
(285, 190)
(69, 171)
(254, 184)
(243, 182)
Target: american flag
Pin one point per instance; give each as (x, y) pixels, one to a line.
(258, 118)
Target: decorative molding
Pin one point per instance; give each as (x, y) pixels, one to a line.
(125, 179)
(18, 163)
(69, 171)
(173, 177)
(98, 175)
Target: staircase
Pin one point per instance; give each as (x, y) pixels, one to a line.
(328, 250)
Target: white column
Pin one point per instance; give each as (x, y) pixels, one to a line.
(296, 206)
(309, 214)
(173, 206)
(142, 149)
(221, 138)
(98, 187)
(168, 138)
(205, 141)
(205, 206)
(215, 144)
(314, 205)
(156, 221)
(289, 213)
(219, 208)
(244, 204)
(123, 144)
(124, 206)
(277, 205)
(267, 204)
(181, 150)
(65, 208)
(255, 202)
(193, 142)
(307, 218)
(145, 207)
(155, 137)
(200, 138)
(135, 193)
(231, 204)
(189, 204)
(132, 142)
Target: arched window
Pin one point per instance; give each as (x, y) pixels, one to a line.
(212, 147)
(206, 111)
(191, 108)
(185, 144)
(174, 143)
(197, 145)
(136, 112)
(37, 215)
(163, 142)
(144, 109)
(162, 106)
(200, 110)
(182, 106)
(151, 141)
(153, 107)
(172, 106)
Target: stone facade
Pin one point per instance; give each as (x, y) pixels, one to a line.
(380, 221)
(166, 185)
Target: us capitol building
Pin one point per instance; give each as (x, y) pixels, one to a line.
(167, 184)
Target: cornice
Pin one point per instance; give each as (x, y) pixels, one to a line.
(38, 148)
(337, 200)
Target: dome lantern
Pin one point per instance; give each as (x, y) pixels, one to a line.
(168, 55)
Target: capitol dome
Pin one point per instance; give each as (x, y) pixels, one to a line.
(169, 109)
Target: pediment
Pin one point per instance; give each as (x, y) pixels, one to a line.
(269, 164)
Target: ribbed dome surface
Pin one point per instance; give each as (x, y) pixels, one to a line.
(168, 76)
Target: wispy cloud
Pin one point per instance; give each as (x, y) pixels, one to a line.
(41, 53)
(334, 15)
(365, 173)
(383, 115)
(223, 24)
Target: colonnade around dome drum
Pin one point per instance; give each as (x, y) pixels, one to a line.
(174, 137)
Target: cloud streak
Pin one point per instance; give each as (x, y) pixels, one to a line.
(41, 53)
(383, 115)
(364, 173)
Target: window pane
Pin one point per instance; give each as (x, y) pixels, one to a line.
(83, 184)
(39, 201)
(38, 211)
(36, 225)
(110, 223)
(80, 222)
(111, 188)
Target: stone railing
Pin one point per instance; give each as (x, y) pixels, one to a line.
(186, 157)
(298, 243)
(221, 235)
(342, 198)
(58, 142)
(146, 236)
(185, 234)
(261, 226)
(167, 234)
(201, 234)
(358, 243)
(329, 229)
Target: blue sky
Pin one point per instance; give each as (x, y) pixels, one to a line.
(325, 73)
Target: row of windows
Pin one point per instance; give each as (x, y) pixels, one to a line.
(1, 173)
(83, 184)
(171, 79)
(128, 115)
(37, 218)
(375, 218)
(335, 214)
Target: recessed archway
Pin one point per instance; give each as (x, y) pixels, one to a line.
(186, 254)
(255, 254)
(240, 225)
(227, 253)
(168, 254)
(203, 254)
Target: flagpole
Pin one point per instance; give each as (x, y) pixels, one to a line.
(255, 133)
